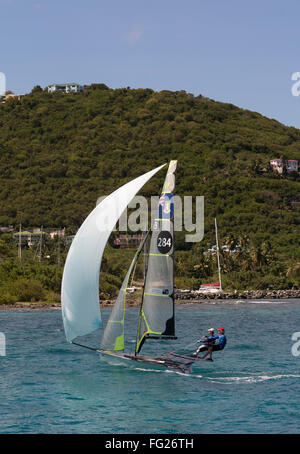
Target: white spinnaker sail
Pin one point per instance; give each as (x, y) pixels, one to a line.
(80, 283)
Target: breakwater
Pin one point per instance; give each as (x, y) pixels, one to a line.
(247, 294)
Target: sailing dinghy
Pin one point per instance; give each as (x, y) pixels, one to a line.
(80, 284)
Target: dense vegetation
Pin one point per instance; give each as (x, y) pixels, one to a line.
(59, 153)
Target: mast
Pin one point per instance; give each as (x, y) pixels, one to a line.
(133, 273)
(217, 243)
(41, 244)
(20, 244)
(156, 318)
(58, 252)
(140, 320)
(144, 261)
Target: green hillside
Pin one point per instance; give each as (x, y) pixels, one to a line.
(59, 153)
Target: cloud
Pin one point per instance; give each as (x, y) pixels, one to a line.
(134, 35)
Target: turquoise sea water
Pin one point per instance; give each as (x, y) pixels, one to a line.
(49, 386)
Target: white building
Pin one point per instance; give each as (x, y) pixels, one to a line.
(51, 232)
(65, 88)
(209, 288)
(290, 165)
(10, 96)
(60, 233)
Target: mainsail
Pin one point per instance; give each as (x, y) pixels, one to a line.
(156, 317)
(80, 284)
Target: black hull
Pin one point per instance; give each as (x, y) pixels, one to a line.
(170, 361)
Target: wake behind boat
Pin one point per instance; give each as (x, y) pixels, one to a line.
(80, 285)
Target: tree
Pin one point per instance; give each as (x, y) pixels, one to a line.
(37, 89)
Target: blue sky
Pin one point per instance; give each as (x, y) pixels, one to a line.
(229, 50)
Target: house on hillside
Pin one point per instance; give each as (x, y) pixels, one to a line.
(9, 96)
(284, 165)
(6, 229)
(69, 239)
(128, 241)
(60, 233)
(28, 237)
(33, 236)
(65, 88)
(51, 232)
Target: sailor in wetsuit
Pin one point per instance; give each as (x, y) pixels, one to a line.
(207, 340)
(219, 345)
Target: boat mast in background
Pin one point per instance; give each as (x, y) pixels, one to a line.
(58, 252)
(41, 244)
(218, 255)
(20, 243)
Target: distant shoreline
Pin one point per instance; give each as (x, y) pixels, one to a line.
(188, 298)
(247, 294)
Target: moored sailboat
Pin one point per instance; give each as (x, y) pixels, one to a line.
(214, 287)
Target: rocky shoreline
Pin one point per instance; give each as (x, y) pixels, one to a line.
(180, 297)
(248, 294)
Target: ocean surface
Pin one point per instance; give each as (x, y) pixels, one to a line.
(50, 386)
